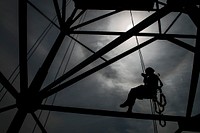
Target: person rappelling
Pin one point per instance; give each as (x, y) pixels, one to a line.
(148, 90)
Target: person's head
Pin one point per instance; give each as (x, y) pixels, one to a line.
(149, 71)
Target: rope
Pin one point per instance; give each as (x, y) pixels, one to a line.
(139, 51)
(157, 106)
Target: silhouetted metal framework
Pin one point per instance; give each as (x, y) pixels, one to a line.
(30, 98)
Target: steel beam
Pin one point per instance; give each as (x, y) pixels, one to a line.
(31, 4)
(55, 2)
(23, 45)
(85, 46)
(195, 76)
(192, 11)
(8, 86)
(63, 10)
(43, 71)
(114, 33)
(182, 44)
(8, 108)
(39, 123)
(112, 113)
(94, 20)
(17, 122)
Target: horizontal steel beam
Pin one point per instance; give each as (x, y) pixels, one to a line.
(111, 113)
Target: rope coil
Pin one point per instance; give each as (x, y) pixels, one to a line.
(159, 107)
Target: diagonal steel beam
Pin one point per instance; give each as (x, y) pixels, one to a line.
(195, 76)
(85, 46)
(46, 92)
(23, 45)
(142, 25)
(39, 123)
(17, 122)
(95, 19)
(76, 17)
(8, 86)
(111, 113)
(181, 44)
(31, 4)
(43, 70)
(55, 2)
(7, 108)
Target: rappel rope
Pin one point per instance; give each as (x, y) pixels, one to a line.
(157, 105)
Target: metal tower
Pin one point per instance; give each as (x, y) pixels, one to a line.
(29, 98)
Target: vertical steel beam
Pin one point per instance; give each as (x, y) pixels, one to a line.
(195, 76)
(192, 12)
(23, 44)
(63, 10)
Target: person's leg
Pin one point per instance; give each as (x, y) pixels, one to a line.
(131, 103)
(129, 98)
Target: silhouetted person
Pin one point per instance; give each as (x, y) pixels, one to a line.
(149, 90)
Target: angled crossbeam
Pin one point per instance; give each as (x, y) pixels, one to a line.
(94, 20)
(31, 4)
(148, 21)
(17, 122)
(8, 86)
(43, 70)
(182, 44)
(85, 46)
(23, 45)
(78, 16)
(39, 123)
(111, 113)
(55, 2)
(46, 92)
(8, 108)
(69, 20)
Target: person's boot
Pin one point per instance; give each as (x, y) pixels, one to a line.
(123, 105)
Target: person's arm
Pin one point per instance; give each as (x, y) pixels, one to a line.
(145, 78)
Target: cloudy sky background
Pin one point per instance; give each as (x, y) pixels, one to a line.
(107, 88)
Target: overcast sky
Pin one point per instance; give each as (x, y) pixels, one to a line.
(107, 88)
